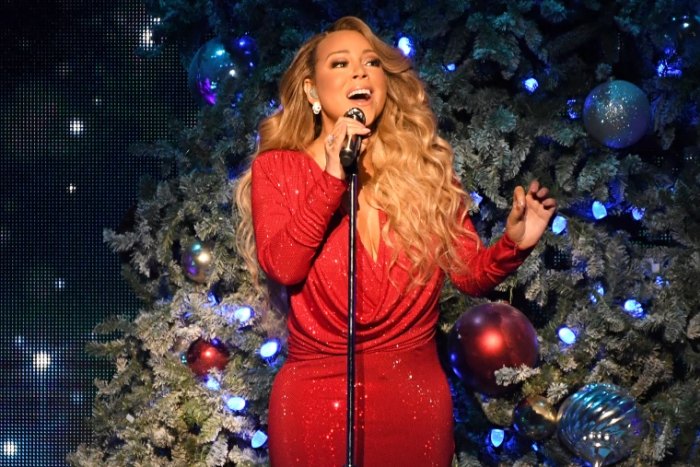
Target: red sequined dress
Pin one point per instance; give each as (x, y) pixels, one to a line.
(403, 402)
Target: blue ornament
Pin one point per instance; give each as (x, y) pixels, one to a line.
(209, 68)
(601, 423)
(616, 114)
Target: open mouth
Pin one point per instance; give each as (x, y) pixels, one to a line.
(360, 95)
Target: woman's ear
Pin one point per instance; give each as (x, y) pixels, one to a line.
(310, 90)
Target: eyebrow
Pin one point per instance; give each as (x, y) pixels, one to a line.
(345, 51)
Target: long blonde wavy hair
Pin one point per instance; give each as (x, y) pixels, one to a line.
(413, 182)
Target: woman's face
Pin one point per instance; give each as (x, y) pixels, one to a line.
(348, 74)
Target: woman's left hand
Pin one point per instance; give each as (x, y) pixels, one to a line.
(530, 215)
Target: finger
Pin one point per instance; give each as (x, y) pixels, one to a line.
(357, 130)
(534, 186)
(549, 203)
(518, 198)
(542, 193)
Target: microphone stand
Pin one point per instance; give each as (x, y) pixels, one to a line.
(349, 154)
(350, 425)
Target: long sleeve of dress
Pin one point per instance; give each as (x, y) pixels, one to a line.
(486, 267)
(288, 234)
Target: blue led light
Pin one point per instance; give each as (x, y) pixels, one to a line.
(497, 436)
(669, 68)
(243, 314)
(573, 109)
(211, 299)
(638, 213)
(476, 198)
(259, 438)
(212, 383)
(566, 335)
(450, 67)
(660, 281)
(600, 290)
(634, 308)
(406, 45)
(531, 84)
(269, 348)
(235, 403)
(559, 224)
(598, 209)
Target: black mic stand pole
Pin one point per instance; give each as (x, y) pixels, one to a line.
(349, 154)
(350, 429)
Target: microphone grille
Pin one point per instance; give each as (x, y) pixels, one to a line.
(356, 114)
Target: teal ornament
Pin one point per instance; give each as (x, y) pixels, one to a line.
(616, 114)
(211, 65)
(601, 423)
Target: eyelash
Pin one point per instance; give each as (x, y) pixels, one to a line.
(372, 62)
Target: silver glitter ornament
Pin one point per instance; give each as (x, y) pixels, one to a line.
(616, 114)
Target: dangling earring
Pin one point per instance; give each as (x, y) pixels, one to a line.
(316, 107)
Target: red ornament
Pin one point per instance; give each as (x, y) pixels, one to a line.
(485, 339)
(203, 356)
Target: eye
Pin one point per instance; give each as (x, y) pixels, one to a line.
(374, 62)
(339, 64)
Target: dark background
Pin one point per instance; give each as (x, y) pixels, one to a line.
(75, 96)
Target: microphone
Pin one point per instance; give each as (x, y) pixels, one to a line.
(351, 146)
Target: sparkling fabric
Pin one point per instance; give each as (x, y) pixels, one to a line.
(403, 402)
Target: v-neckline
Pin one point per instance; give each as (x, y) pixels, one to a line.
(380, 242)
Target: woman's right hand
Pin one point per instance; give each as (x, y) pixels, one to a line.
(333, 141)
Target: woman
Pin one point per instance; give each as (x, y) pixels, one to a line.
(413, 231)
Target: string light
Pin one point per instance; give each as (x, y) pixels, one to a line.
(269, 348)
(599, 210)
(573, 109)
(566, 335)
(634, 308)
(496, 436)
(476, 198)
(406, 46)
(259, 439)
(559, 224)
(212, 383)
(236, 403)
(531, 85)
(600, 290)
(243, 314)
(638, 213)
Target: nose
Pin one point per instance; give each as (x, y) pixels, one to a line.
(359, 71)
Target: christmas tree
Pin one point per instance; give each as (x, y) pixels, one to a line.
(597, 100)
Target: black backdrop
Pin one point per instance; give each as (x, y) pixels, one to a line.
(74, 96)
